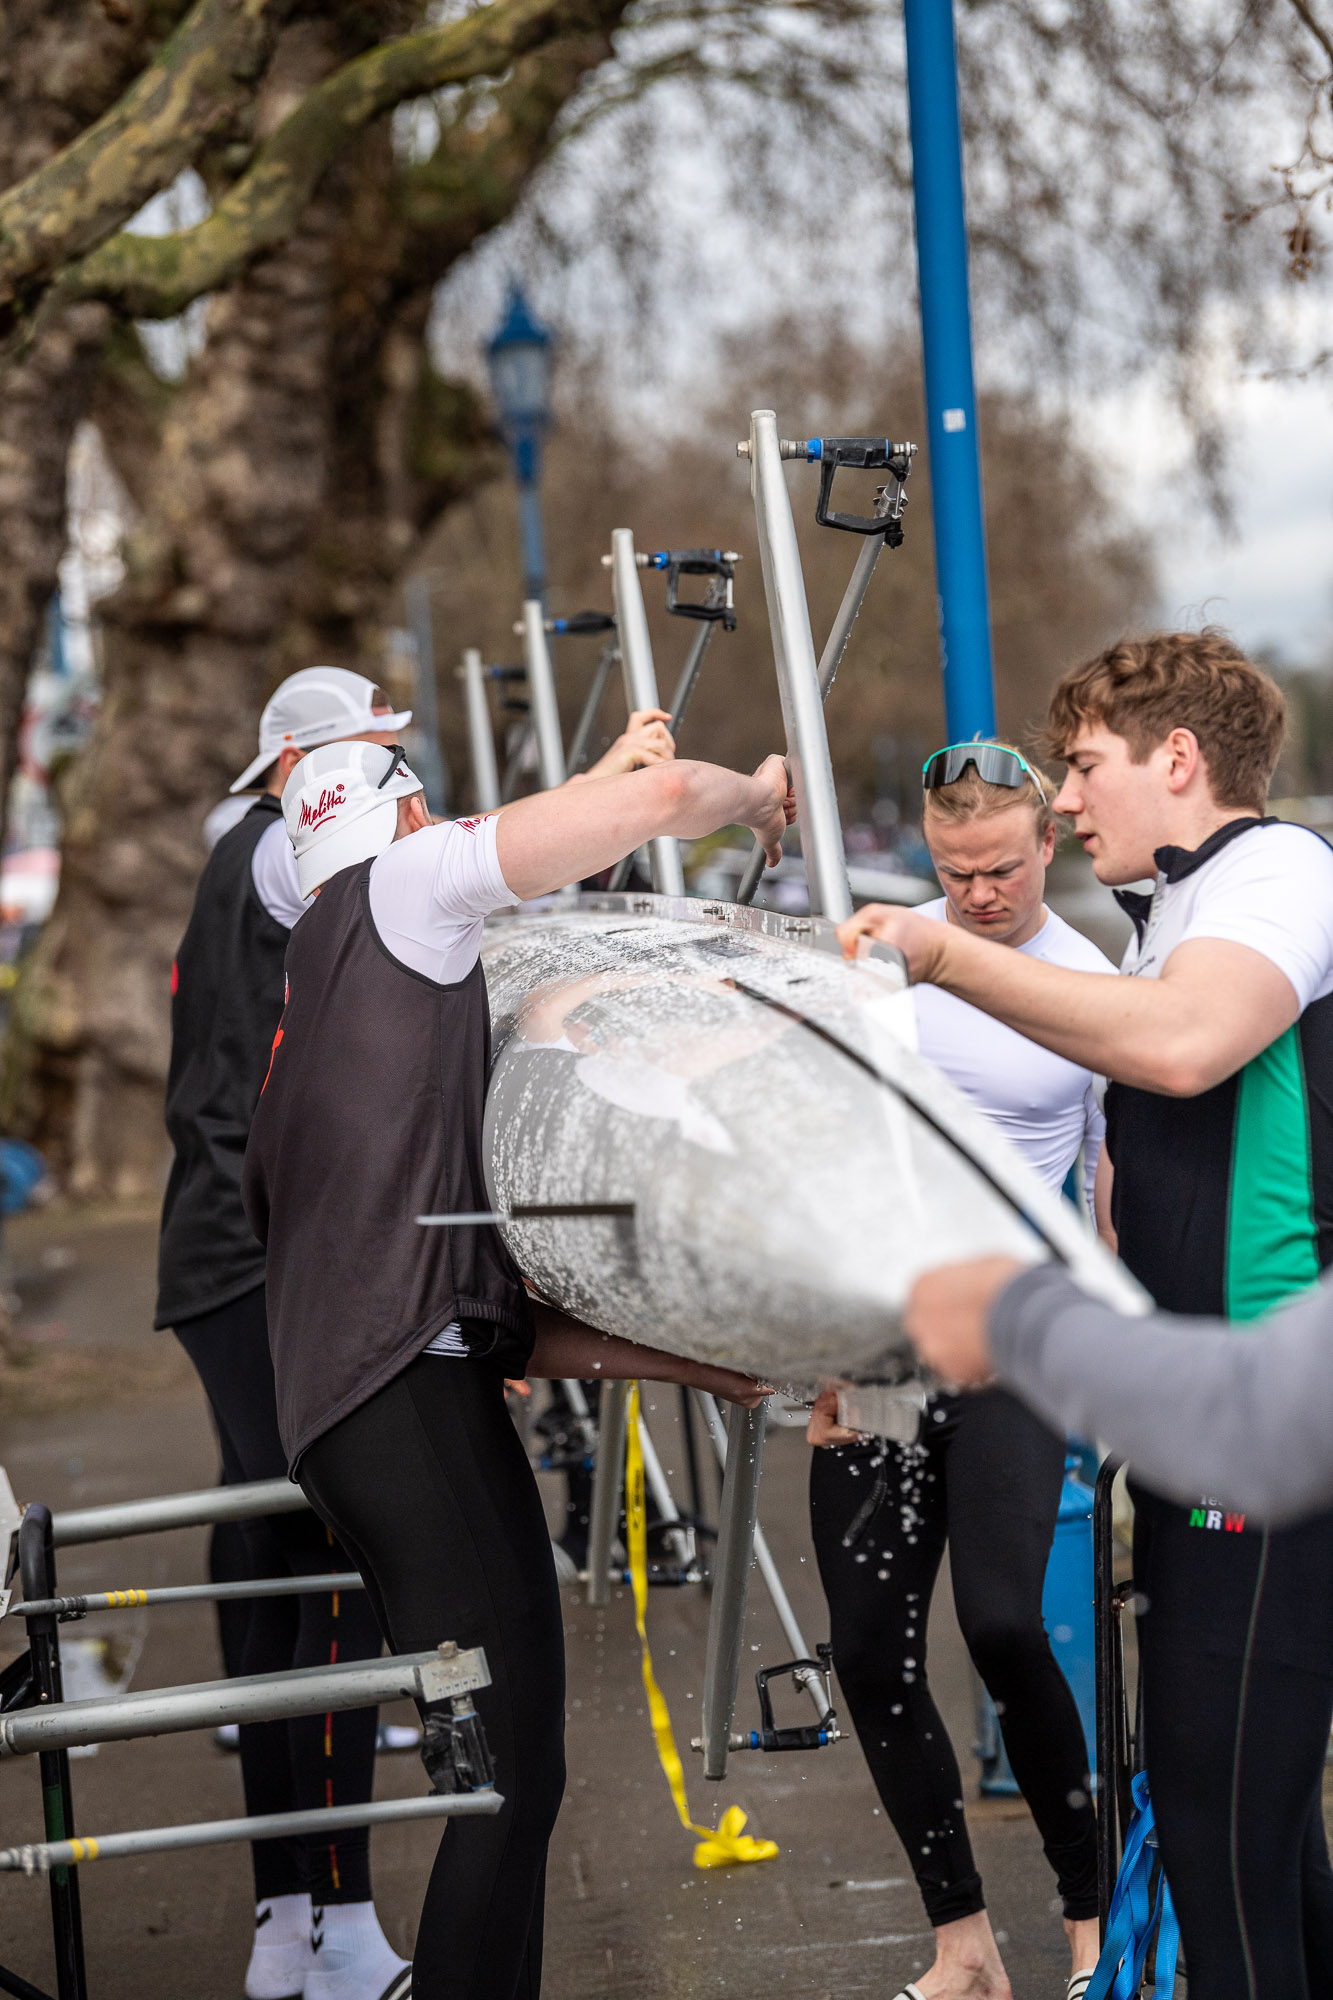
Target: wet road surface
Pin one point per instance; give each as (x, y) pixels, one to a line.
(835, 1915)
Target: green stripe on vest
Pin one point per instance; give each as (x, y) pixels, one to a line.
(1272, 1244)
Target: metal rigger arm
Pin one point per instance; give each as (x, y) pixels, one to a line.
(882, 529)
(716, 607)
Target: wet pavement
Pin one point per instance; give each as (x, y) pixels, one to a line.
(835, 1915)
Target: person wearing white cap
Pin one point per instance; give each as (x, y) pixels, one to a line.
(316, 705)
(227, 990)
(227, 996)
(390, 1342)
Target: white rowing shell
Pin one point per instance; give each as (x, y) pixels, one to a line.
(792, 1161)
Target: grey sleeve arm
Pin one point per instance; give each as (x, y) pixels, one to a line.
(1194, 1405)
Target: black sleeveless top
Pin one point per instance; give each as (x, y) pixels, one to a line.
(226, 1001)
(371, 1116)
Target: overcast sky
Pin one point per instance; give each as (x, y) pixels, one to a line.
(1270, 583)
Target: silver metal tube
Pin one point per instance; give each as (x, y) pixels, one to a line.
(578, 1404)
(578, 749)
(177, 1510)
(829, 661)
(608, 1481)
(858, 583)
(656, 1480)
(753, 876)
(480, 736)
(636, 653)
(515, 762)
(689, 676)
(432, 768)
(185, 1593)
(654, 1477)
(44, 1855)
(798, 676)
(732, 1562)
(544, 710)
(206, 1704)
(768, 1569)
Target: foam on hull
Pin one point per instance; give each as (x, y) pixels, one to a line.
(793, 1162)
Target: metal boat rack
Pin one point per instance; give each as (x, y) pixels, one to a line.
(36, 1720)
(1119, 1746)
(803, 685)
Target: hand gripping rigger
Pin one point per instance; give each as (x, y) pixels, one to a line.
(882, 528)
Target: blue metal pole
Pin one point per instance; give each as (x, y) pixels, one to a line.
(946, 332)
(528, 472)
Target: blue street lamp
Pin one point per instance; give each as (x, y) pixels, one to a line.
(519, 356)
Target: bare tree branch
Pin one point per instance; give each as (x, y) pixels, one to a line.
(155, 277)
(205, 72)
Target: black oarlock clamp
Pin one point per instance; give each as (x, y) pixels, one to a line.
(803, 1736)
(717, 606)
(862, 454)
(454, 1749)
(582, 622)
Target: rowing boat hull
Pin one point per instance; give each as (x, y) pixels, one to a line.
(792, 1161)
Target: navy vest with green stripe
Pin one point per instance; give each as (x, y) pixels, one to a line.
(1223, 1203)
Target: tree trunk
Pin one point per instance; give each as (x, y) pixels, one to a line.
(299, 466)
(62, 68)
(41, 405)
(205, 622)
(276, 520)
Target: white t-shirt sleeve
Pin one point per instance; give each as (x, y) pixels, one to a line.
(430, 892)
(468, 881)
(273, 872)
(1272, 891)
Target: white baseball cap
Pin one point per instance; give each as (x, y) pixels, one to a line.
(341, 806)
(318, 705)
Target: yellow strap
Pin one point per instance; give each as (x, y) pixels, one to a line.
(728, 1843)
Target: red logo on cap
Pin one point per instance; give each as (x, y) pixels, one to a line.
(313, 816)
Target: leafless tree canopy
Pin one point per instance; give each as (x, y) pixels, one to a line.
(1145, 176)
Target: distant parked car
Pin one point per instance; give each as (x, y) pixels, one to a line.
(872, 879)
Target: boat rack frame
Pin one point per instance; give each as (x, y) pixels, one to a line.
(1119, 1734)
(35, 1719)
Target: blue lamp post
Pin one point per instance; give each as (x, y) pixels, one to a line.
(519, 355)
(951, 409)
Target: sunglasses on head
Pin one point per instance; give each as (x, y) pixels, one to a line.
(995, 764)
(397, 762)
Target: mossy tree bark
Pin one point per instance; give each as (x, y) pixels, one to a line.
(63, 68)
(311, 448)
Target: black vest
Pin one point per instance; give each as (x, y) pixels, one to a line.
(371, 1116)
(226, 1001)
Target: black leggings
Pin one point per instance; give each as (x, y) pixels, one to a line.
(312, 1760)
(429, 1487)
(986, 1477)
(1235, 1739)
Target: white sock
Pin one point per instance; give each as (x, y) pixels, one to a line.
(352, 1959)
(280, 1957)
